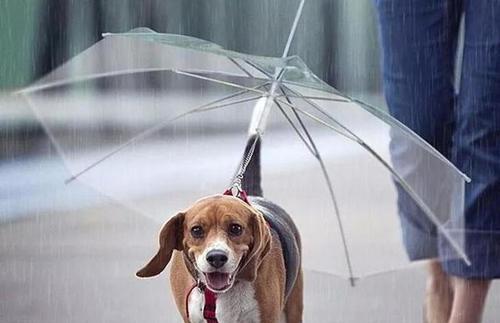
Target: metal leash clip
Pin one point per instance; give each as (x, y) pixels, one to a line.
(237, 191)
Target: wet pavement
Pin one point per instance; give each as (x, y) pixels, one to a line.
(78, 265)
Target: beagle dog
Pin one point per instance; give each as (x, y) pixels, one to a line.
(233, 260)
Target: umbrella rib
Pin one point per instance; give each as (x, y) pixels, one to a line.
(428, 212)
(424, 144)
(317, 155)
(323, 87)
(49, 85)
(316, 107)
(316, 98)
(240, 67)
(210, 79)
(297, 131)
(312, 148)
(326, 124)
(278, 75)
(389, 120)
(202, 108)
(420, 203)
(258, 68)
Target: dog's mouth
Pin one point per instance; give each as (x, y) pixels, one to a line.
(219, 282)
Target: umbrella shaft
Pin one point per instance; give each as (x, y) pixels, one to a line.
(263, 105)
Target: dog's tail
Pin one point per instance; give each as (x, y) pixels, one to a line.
(251, 181)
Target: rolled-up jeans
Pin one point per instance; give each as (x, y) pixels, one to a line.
(419, 41)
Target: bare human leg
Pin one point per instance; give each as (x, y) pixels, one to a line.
(438, 294)
(469, 300)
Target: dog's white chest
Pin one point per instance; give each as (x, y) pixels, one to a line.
(236, 305)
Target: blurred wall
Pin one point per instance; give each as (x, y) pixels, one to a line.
(336, 38)
(17, 18)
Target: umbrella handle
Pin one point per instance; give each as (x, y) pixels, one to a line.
(259, 116)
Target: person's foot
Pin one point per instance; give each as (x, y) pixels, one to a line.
(438, 295)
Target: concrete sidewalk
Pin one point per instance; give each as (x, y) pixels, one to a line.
(79, 267)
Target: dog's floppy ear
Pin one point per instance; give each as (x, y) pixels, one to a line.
(171, 236)
(260, 247)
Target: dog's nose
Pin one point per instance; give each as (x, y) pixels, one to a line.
(216, 258)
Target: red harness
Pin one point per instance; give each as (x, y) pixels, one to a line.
(211, 297)
(210, 301)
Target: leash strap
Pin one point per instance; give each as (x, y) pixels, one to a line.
(236, 185)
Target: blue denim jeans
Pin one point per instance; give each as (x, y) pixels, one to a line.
(419, 41)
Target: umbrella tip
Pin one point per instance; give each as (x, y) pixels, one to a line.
(467, 260)
(69, 180)
(353, 280)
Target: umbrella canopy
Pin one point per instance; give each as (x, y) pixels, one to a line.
(156, 121)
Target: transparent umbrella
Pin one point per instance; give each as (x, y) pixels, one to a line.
(156, 121)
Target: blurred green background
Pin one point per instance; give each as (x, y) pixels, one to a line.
(17, 22)
(336, 38)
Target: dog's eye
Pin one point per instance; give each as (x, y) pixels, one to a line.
(197, 232)
(235, 229)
